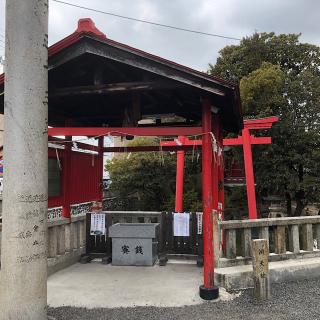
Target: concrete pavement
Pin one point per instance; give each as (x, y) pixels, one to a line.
(95, 285)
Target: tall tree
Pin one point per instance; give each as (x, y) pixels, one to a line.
(280, 76)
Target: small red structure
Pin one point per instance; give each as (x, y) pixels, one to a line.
(234, 173)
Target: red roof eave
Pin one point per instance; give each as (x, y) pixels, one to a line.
(55, 48)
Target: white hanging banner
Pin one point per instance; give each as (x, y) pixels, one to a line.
(181, 224)
(98, 224)
(199, 222)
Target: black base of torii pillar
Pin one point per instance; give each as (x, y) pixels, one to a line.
(209, 293)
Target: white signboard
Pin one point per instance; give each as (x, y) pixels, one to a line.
(98, 224)
(181, 224)
(199, 222)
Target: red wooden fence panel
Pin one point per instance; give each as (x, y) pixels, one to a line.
(85, 177)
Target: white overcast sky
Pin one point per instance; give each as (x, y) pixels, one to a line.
(236, 18)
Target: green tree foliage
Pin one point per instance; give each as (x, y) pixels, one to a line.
(149, 178)
(280, 76)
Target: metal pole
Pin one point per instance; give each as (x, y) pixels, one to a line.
(180, 177)
(24, 239)
(207, 291)
(248, 165)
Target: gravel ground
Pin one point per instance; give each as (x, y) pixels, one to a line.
(296, 300)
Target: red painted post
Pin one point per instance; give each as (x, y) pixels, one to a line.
(101, 151)
(66, 167)
(207, 291)
(180, 176)
(248, 165)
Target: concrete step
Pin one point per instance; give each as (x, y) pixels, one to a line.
(182, 261)
(240, 277)
(185, 259)
(182, 256)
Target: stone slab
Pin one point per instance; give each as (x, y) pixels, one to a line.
(239, 261)
(240, 277)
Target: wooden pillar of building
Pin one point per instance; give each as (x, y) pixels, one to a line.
(101, 168)
(66, 180)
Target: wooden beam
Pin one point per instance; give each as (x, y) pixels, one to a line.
(146, 149)
(80, 145)
(121, 131)
(115, 88)
(186, 142)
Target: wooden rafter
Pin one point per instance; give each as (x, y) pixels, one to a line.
(115, 88)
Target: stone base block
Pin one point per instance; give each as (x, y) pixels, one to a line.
(60, 262)
(241, 277)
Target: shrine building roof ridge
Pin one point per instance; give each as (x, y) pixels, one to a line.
(87, 27)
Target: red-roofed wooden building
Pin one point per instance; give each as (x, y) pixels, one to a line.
(99, 87)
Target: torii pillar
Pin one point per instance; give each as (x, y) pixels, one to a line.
(180, 176)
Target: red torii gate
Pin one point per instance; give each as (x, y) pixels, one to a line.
(246, 139)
